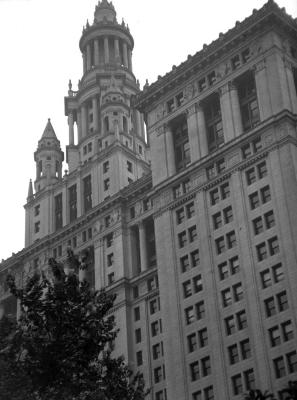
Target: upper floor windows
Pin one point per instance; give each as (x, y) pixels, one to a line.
(248, 101)
(213, 121)
(181, 143)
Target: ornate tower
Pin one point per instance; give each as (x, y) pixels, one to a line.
(99, 113)
(48, 158)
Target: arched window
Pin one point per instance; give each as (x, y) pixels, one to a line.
(39, 168)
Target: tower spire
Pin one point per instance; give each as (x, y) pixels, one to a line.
(30, 191)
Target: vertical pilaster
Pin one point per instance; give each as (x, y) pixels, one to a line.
(84, 120)
(142, 246)
(95, 113)
(79, 197)
(235, 107)
(99, 264)
(117, 51)
(170, 155)
(79, 126)
(64, 205)
(130, 59)
(106, 50)
(71, 128)
(263, 92)
(226, 110)
(125, 54)
(291, 85)
(89, 57)
(193, 133)
(96, 52)
(84, 61)
(202, 134)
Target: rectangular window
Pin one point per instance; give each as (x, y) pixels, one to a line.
(266, 278)
(110, 278)
(72, 203)
(261, 251)
(194, 371)
(189, 315)
(234, 265)
(265, 194)
(214, 196)
(287, 330)
(217, 220)
(228, 215)
(226, 297)
(238, 292)
(254, 200)
(273, 246)
(237, 384)
(249, 379)
(185, 264)
(37, 210)
(223, 270)
(279, 367)
(269, 219)
(136, 314)
(181, 144)
(87, 193)
(214, 125)
(251, 176)
(248, 103)
(245, 349)
(192, 233)
(225, 191)
(138, 335)
(58, 211)
(154, 306)
(157, 351)
(37, 227)
(258, 225)
(230, 325)
(233, 354)
(231, 239)
(205, 366)
(190, 209)
(220, 244)
(180, 215)
(105, 167)
(203, 337)
(282, 301)
(292, 362)
(192, 342)
(182, 239)
(262, 170)
(195, 258)
(197, 283)
(200, 310)
(129, 166)
(155, 328)
(158, 374)
(187, 289)
(106, 184)
(109, 240)
(270, 307)
(274, 336)
(139, 358)
(208, 393)
(241, 320)
(110, 259)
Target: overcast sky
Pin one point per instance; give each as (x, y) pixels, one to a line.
(39, 54)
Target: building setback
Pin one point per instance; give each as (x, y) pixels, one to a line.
(194, 228)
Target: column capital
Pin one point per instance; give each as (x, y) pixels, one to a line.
(193, 109)
(227, 87)
(259, 66)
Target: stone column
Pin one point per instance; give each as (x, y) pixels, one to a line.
(291, 86)
(106, 50)
(79, 197)
(125, 55)
(170, 154)
(237, 122)
(71, 128)
(96, 52)
(202, 133)
(138, 123)
(99, 264)
(84, 120)
(79, 126)
(84, 55)
(95, 113)
(226, 110)
(193, 133)
(130, 59)
(117, 51)
(142, 246)
(89, 57)
(263, 93)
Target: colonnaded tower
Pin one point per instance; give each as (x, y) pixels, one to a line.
(196, 232)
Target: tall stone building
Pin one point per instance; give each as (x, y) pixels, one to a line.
(195, 232)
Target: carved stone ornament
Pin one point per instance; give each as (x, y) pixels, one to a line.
(138, 209)
(189, 91)
(115, 216)
(98, 226)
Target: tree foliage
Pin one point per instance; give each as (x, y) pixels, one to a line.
(61, 342)
(259, 395)
(290, 391)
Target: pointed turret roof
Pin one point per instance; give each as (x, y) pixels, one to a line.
(105, 11)
(30, 190)
(49, 132)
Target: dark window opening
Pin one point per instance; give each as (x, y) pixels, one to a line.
(58, 211)
(248, 101)
(181, 143)
(87, 193)
(213, 121)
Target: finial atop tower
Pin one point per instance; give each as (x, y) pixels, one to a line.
(105, 11)
(49, 131)
(30, 191)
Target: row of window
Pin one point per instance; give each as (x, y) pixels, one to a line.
(185, 212)
(281, 333)
(204, 394)
(256, 173)
(285, 365)
(228, 268)
(190, 261)
(197, 340)
(222, 217)
(192, 286)
(272, 275)
(185, 236)
(268, 248)
(225, 242)
(243, 382)
(195, 312)
(275, 304)
(232, 294)
(239, 351)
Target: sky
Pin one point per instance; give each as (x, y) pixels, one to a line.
(40, 53)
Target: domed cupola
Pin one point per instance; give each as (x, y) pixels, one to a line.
(48, 158)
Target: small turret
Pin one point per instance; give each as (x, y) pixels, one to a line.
(48, 158)
(30, 191)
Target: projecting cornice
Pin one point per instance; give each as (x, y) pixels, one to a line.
(268, 16)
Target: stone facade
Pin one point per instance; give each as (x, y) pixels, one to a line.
(196, 234)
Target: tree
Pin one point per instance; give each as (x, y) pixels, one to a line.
(61, 341)
(290, 391)
(259, 395)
